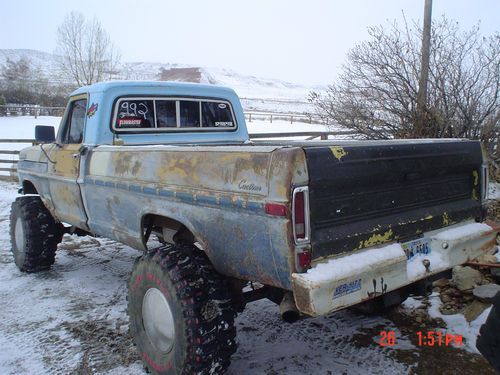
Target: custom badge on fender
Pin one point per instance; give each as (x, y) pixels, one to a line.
(92, 110)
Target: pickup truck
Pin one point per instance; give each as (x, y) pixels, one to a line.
(315, 226)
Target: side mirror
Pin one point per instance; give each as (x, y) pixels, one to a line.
(45, 134)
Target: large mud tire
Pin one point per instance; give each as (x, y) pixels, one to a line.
(180, 286)
(34, 234)
(488, 341)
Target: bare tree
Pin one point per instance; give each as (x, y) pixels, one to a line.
(88, 56)
(377, 91)
(22, 82)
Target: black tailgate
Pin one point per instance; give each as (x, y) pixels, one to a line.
(366, 194)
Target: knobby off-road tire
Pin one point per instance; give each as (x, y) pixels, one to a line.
(488, 341)
(180, 312)
(34, 234)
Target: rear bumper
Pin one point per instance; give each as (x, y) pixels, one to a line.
(352, 278)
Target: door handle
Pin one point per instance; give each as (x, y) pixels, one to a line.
(75, 156)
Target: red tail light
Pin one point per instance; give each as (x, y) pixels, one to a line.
(300, 223)
(301, 214)
(304, 260)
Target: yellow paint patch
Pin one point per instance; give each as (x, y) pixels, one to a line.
(446, 219)
(474, 195)
(475, 175)
(338, 152)
(377, 239)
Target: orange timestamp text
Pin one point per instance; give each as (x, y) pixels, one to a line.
(427, 338)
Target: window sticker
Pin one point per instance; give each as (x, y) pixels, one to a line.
(92, 110)
(129, 122)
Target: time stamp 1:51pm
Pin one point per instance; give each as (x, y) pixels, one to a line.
(425, 338)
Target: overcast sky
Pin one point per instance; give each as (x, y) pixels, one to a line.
(297, 41)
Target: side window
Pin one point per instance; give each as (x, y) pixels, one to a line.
(166, 114)
(135, 114)
(216, 115)
(77, 123)
(189, 114)
(72, 129)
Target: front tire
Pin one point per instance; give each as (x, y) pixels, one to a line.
(34, 234)
(180, 312)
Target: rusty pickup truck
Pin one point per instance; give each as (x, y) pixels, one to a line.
(316, 226)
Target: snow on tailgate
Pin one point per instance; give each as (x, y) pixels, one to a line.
(343, 267)
(462, 231)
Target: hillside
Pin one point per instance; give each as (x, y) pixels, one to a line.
(257, 93)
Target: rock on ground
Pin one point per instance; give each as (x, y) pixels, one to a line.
(466, 278)
(486, 292)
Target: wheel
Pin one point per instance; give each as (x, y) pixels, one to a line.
(180, 312)
(34, 234)
(488, 341)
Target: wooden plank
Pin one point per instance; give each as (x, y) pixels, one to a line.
(8, 178)
(17, 141)
(9, 152)
(8, 161)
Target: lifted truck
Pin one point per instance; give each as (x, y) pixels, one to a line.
(321, 225)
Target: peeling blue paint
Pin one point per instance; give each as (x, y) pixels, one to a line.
(183, 196)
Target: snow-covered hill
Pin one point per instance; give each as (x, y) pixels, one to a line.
(258, 93)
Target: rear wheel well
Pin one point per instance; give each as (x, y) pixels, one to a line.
(167, 229)
(29, 188)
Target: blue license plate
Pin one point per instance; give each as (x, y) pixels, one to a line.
(415, 247)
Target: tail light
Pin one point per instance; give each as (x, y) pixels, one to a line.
(300, 215)
(303, 260)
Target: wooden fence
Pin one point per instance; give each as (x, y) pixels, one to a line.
(10, 165)
(30, 110)
(292, 117)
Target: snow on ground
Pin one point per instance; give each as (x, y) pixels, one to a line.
(494, 191)
(459, 323)
(74, 317)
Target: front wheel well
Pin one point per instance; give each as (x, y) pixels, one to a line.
(28, 187)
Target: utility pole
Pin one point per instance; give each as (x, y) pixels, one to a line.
(424, 69)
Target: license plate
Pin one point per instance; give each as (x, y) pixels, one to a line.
(415, 247)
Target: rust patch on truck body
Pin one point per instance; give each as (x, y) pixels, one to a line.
(217, 192)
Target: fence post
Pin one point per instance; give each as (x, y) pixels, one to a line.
(271, 118)
(249, 117)
(291, 119)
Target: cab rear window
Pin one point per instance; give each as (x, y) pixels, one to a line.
(172, 114)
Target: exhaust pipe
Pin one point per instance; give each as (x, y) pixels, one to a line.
(288, 309)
